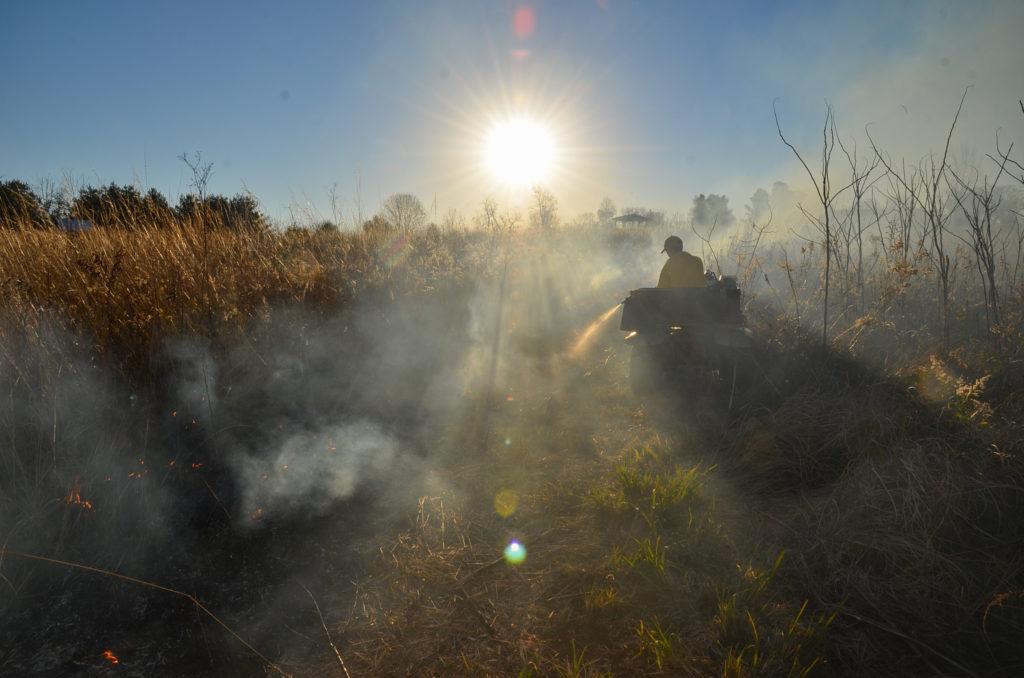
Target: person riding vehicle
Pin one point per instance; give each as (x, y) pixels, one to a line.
(682, 268)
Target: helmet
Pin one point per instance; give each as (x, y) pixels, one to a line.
(673, 243)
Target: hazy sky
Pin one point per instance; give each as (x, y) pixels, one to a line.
(650, 102)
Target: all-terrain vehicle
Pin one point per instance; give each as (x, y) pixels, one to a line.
(689, 339)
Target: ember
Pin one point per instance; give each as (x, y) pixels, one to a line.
(197, 464)
(75, 496)
(111, 657)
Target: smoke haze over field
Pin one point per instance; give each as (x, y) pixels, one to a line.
(323, 425)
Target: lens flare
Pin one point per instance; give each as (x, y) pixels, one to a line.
(396, 250)
(505, 503)
(515, 553)
(524, 21)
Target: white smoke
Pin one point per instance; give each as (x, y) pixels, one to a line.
(312, 470)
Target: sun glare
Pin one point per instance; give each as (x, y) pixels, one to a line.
(519, 152)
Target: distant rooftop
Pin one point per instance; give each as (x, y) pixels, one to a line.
(633, 218)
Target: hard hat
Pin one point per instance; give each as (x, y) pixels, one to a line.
(673, 242)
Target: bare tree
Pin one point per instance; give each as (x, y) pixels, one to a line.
(826, 195)
(544, 213)
(1015, 170)
(201, 172)
(706, 242)
(404, 211)
(606, 212)
(978, 205)
(453, 221)
(747, 263)
(861, 183)
(900, 195)
(933, 202)
(497, 223)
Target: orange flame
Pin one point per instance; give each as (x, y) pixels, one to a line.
(75, 496)
(111, 657)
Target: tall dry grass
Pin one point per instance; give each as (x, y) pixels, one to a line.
(126, 291)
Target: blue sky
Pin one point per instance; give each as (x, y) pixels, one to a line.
(650, 101)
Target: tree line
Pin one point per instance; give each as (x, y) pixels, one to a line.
(127, 207)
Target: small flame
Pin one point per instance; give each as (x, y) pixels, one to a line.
(197, 465)
(75, 496)
(111, 657)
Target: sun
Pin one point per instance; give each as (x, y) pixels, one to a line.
(519, 152)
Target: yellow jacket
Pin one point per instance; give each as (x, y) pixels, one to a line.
(682, 270)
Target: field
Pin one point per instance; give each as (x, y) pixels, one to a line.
(243, 451)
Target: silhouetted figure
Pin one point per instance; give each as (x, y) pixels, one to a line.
(682, 268)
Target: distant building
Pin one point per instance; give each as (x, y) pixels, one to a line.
(74, 225)
(632, 219)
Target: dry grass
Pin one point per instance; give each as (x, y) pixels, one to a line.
(896, 510)
(633, 568)
(127, 291)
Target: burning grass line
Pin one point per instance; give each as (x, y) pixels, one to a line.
(334, 647)
(152, 585)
